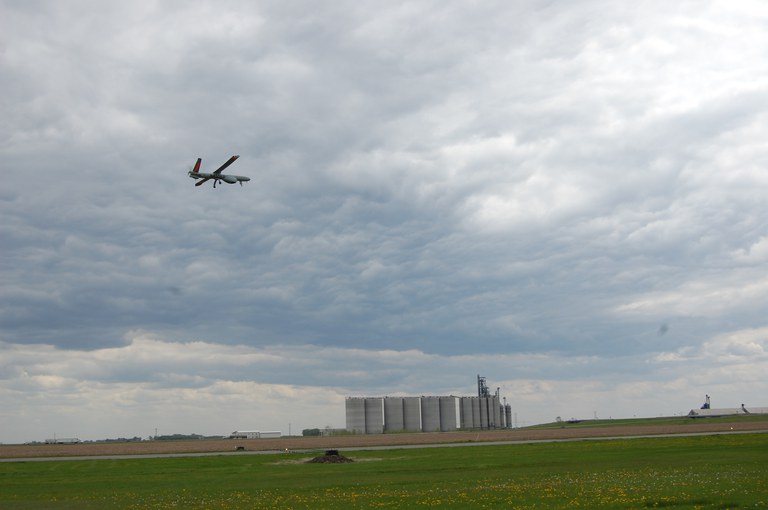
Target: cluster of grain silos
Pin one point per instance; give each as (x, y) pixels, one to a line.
(374, 415)
(484, 413)
(365, 415)
(402, 414)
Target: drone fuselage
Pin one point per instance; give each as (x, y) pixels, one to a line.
(229, 179)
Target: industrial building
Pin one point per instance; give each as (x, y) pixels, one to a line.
(376, 415)
(254, 434)
(62, 440)
(706, 410)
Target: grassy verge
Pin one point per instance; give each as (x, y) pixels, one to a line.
(720, 471)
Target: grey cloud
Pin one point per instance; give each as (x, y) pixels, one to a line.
(454, 179)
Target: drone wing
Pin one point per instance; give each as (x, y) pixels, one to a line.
(201, 182)
(225, 165)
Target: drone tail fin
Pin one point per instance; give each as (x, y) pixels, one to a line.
(197, 166)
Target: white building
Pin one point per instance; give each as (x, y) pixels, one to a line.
(255, 434)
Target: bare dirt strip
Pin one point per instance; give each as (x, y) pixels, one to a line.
(362, 441)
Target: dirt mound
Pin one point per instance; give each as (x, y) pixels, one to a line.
(330, 457)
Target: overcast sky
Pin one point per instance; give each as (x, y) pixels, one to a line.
(568, 198)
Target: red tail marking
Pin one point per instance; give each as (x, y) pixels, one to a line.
(197, 165)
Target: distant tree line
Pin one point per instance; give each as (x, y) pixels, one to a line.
(327, 431)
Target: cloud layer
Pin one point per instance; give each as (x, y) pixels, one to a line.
(213, 389)
(439, 186)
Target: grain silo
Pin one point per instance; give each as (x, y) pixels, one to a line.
(393, 414)
(355, 408)
(508, 414)
(374, 416)
(484, 416)
(447, 414)
(465, 406)
(476, 420)
(412, 414)
(430, 414)
(495, 407)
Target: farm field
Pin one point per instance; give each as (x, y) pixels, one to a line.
(717, 471)
(545, 432)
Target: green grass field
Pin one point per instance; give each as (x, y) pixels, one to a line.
(719, 471)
